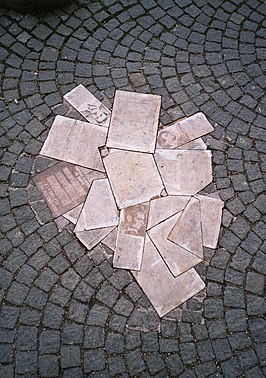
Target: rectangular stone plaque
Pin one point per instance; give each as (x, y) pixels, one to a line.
(65, 186)
(134, 121)
(131, 237)
(88, 106)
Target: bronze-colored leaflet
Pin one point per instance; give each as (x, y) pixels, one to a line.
(65, 186)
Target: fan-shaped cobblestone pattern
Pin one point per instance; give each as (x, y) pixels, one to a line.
(65, 313)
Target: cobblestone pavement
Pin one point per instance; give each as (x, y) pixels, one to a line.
(67, 313)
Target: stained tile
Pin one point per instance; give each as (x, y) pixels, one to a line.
(131, 237)
(163, 290)
(64, 186)
(110, 240)
(134, 121)
(75, 142)
(211, 217)
(178, 259)
(184, 131)
(99, 209)
(91, 238)
(162, 208)
(184, 172)
(187, 231)
(89, 106)
(134, 177)
(73, 214)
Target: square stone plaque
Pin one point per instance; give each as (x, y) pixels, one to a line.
(134, 121)
(64, 186)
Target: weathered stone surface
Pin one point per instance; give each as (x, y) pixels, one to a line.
(134, 121)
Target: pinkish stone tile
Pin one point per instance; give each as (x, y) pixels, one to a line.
(73, 214)
(64, 186)
(91, 238)
(184, 172)
(164, 207)
(110, 240)
(187, 231)
(75, 142)
(99, 210)
(184, 131)
(196, 144)
(88, 106)
(134, 121)
(131, 237)
(163, 290)
(178, 259)
(134, 177)
(211, 217)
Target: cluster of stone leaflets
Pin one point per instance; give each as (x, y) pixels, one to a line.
(135, 189)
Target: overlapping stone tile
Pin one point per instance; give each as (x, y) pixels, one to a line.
(99, 210)
(178, 259)
(110, 240)
(184, 172)
(131, 237)
(75, 142)
(134, 121)
(196, 144)
(134, 177)
(163, 289)
(64, 186)
(88, 106)
(91, 238)
(184, 131)
(162, 208)
(73, 214)
(187, 232)
(211, 217)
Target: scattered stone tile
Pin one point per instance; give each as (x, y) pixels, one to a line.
(184, 131)
(99, 210)
(69, 138)
(133, 176)
(134, 121)
(184, 172)
(65, 186)
(187, 232)
(211, 215)
(163, 290)
(91, 238)
(131, 237)
(178, 259)
(164, 207)
(88, 106)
